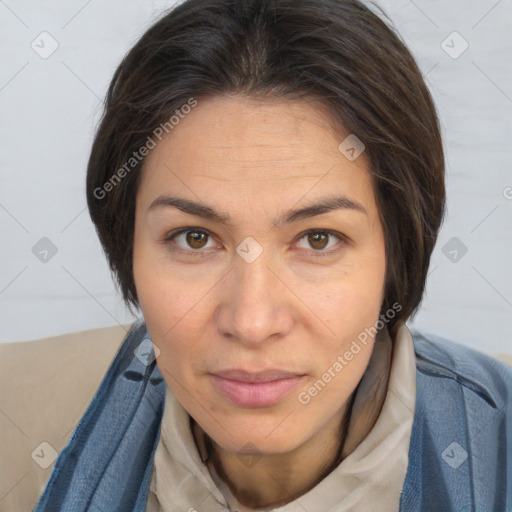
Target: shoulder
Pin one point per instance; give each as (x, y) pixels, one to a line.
(472, 369)
(46, 386)
(463, 413)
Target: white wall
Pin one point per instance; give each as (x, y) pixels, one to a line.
(49, 108)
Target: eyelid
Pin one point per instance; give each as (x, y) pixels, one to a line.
(343, 240)
(168, 238)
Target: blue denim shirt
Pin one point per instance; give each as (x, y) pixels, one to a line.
(460, 455)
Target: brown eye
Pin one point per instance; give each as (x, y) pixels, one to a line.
(318, 240)
(191, 241)
(322, 242)
(196, 239)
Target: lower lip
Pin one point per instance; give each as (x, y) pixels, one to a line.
(255, 394)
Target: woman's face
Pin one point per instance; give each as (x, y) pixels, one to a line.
(234, 277)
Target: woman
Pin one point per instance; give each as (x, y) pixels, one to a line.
(267, 182)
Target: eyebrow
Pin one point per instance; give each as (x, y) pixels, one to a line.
(318, 207)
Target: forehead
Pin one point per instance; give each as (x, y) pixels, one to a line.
(241, 145)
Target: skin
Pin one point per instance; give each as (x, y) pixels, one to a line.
(289, 308)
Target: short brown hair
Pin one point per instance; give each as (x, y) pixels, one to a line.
(337, 51)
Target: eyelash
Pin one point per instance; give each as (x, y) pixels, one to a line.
(199, 252)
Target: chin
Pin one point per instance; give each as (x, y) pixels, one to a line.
(258, 438)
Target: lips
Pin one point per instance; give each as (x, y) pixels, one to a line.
(262, 389)
(264, 376)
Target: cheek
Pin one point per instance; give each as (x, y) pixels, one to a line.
(155, 294)
(352, 299)
(367, 282)
(169, 306)
(156, 291)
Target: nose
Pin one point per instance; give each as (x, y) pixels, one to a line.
(254, 303)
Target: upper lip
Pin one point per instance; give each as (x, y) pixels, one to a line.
(263, 376)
